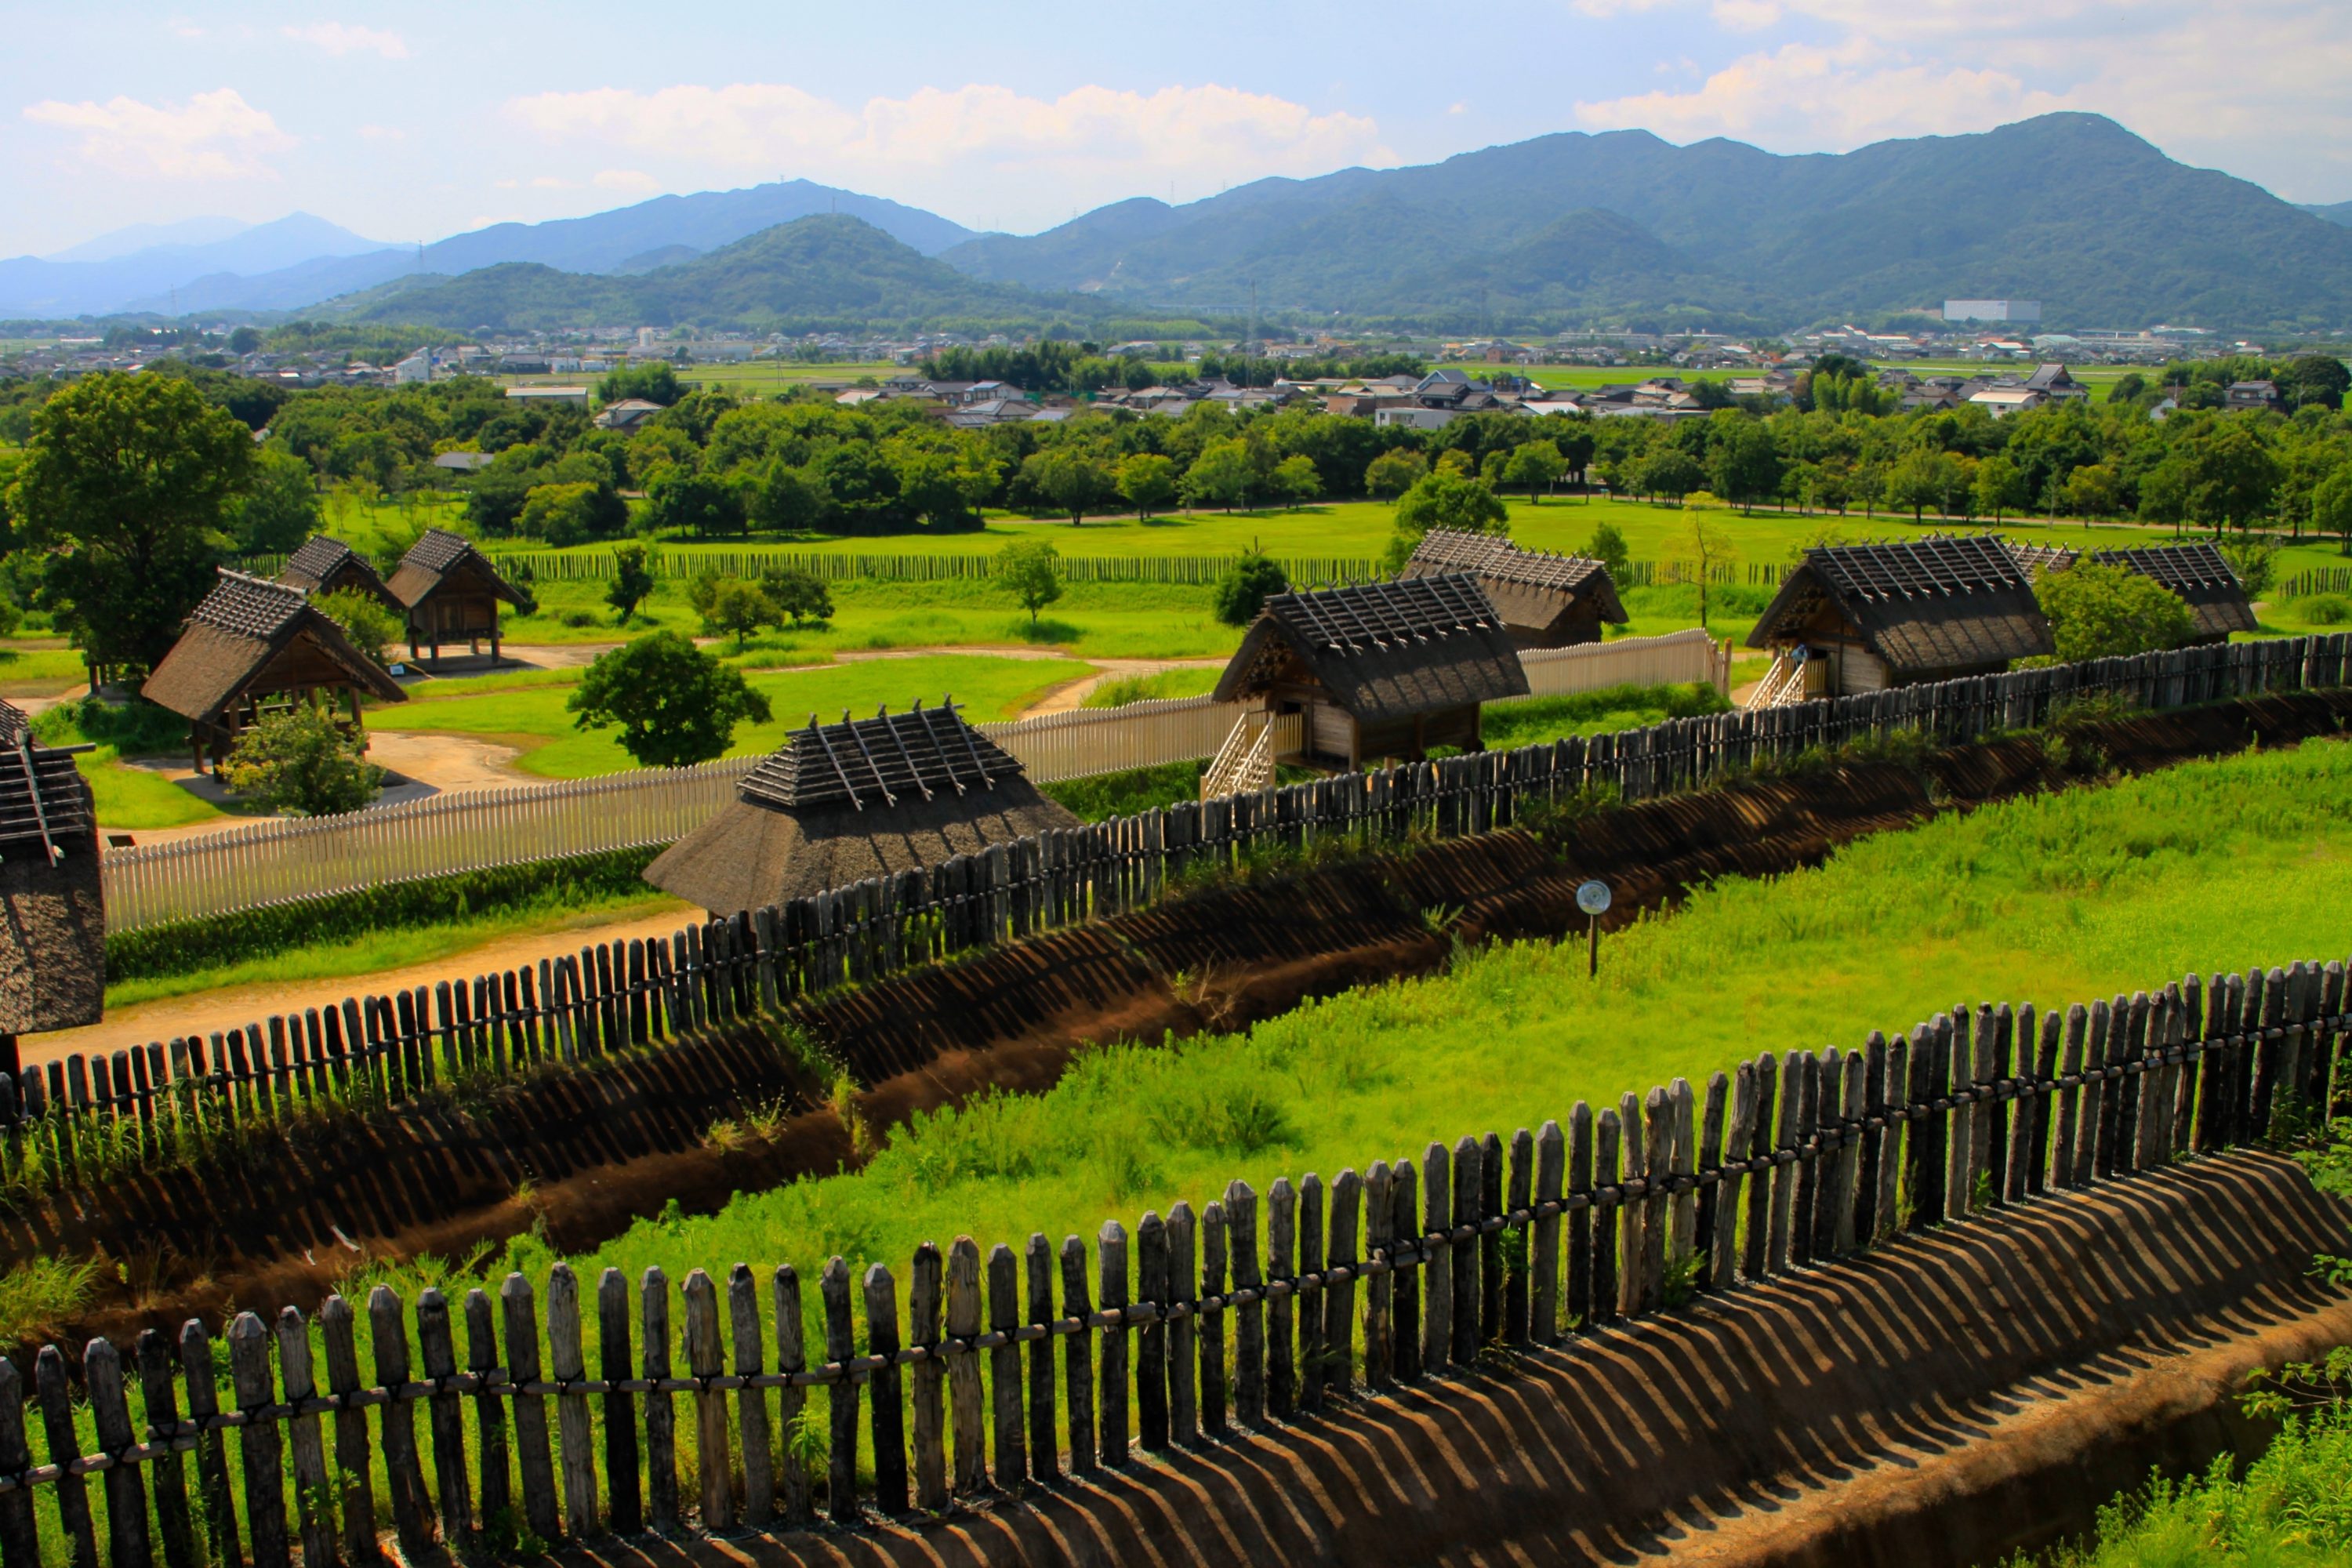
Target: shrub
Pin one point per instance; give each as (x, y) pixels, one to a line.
(374, 629)
(2106, 612)
(1246, 585)
(302, 761)
(134, 729)
(2324, 609)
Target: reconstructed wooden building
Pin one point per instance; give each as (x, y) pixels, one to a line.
(2196, 572)
(838, 803)
(451, 593)
(52, 908)
(1862, 618)
(325, 565)
(253, 647)
(1545, 600)
(1384, 669)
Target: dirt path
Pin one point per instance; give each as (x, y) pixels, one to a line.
(207, 1010)
(1068, 699)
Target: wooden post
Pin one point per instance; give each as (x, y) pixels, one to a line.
(1722, 1267)
(1212, 1336)
(1045, 1440)
(1657, 1201)
(1011, 1467)
(495, 1496)
(1754, 1255)
(532, 1454)
(1281, 1315)
(841, 1396)
(1183, 1332)
(927, 1379)
(1111, 1396)
(259, 1444)
(438, 1350)
(1437, 1334)
(1078, 1357)
(1151, 1340)
(1404, 1281)
(159, 1399)
(126, 1489)
(404, 1474)
(1249, 1317)
(1608, 1200)
(20, 1535)
(750, 1403)
(1338, 1341)
(966, 1417)
(889, 1415)
(1469, 1250)
(356, 1488)
(1579, 1243)
(613, 1364)
(792, 1480)
(1550, 1169)
(1380, 1286)
(661, 1407)
(705, 1359)
(1632, 1216)
(1311, 1292)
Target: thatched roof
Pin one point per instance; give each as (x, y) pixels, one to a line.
(1926, 606)
(52, 913)
(1383, 650)
(838, 803)
(441, 559)
(2197, 574)
(325, 565)
(1530, 588)
(251, 637)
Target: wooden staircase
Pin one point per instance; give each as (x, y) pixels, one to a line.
(1783, 684)
(1245, 761)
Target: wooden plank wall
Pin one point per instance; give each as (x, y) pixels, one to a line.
(1785, 1163)
(133, 1106)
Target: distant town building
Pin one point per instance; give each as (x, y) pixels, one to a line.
(575, 395)
(1992, 309)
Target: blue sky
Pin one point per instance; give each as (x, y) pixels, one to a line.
(414, 121)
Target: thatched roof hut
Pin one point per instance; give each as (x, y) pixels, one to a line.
(452, 593)
(255, 646)
(1861, 617)
(325, 565)
(1545, 600)
(1382, 669)
(837, 803)
(2196, 572)
(52, 913)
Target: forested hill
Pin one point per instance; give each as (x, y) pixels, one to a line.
(815, 274)
(2069, 209)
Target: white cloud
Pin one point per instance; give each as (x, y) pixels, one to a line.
(1745, 16)
(1603, 9)
(1093, 144)
(625, 180)
(339, 38)
(182, 28)
(212, 136)
(382, 133)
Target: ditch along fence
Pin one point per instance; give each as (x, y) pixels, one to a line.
(1026, 1366)
(471, 830)
(79, 1120)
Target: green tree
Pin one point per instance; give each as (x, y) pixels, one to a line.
(1697, 552)
(1535, 466)
(1029, 571)
(799, 594)
(565, 515)
(789, 499)
(680, 499)
(2254, 561)
(1147, 481)
(1394, 472)
(2331, 505)
(1070, 476)
(2000, 487)
(676, 704)
(2232, 473)
(741, 608)
(280, 509)
(1743, 463)
(1246, 585)
(653, 383)
(2092, 491)
(1296, 478)
(302, 762)
(374, 629)
(1669, 471)
(633, 581)
(1220, 476)
(2107, 612)
(243, 341)
(127, 483)
(2317, 380)
(1608, 546)
(1445, 499)
(1920, 479)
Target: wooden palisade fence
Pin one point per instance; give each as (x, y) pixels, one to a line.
(94, 1112)
(968, 1377)
(265, 863)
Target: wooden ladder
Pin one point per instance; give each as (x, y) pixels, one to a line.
(1245, 761)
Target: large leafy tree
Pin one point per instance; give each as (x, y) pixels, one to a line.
(128, 482)
(2106, 612)
(279, 510)
(675, 704)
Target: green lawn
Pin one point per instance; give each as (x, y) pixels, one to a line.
(40, 667)
(533, 718)
(2050, 899)
(131, 798)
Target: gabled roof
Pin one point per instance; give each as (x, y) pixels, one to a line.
(322, 561)
(1925, 606)
(880, 762)
(44, 800)
(1540, 578)
(441, 557)
(231, 638)
(1384, 650)
(2199, 574)
(52, 907)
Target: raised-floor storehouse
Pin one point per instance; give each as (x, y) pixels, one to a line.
(840, 804)
(255, 647)
(1545, 600)
(325, 565)
(1380, 670)
(52, 905)
(2196, 572)
(1862, 618)
(451, 593)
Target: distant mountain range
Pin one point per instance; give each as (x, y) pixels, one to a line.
(270, 268)
(2069, 209)
(1616, 229)
(814, 274)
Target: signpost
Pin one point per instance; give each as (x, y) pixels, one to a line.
(1592, 897)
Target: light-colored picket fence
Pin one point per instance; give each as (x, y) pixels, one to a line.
(471, 830)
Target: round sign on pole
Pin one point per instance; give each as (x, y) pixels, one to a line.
(1592, 897)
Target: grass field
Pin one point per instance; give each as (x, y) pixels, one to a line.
(532, 718)
(134, 798)
(40, 667)
(2047, 899)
